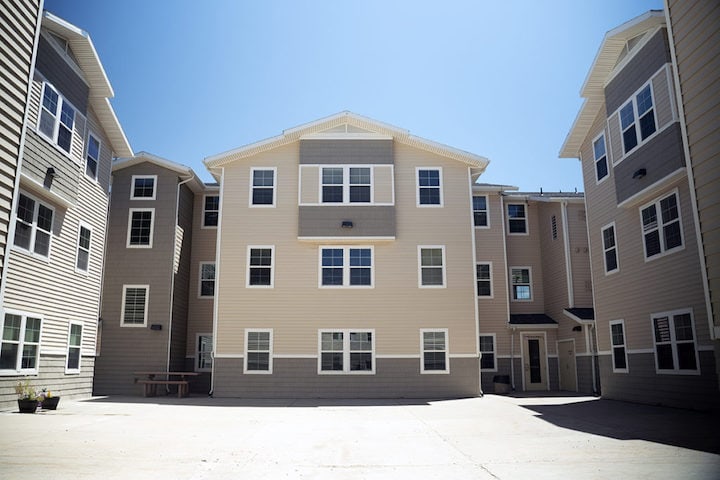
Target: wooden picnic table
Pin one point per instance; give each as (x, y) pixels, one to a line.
(151, 382)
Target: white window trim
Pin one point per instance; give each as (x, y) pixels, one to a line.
(422, 352)
(492, 287)
(204, 210)
(122, 307)
(494, 339)
(56, 127)
(18, 359)
(200, 280)
(269, 371)
(420, 248)
(87, 154)
(248, 266)
(487, 212)
(129, 227)
(527, 223)
(598, 181)
(197, 353)
(663, 251)
(624, 345)
(605, 250)
(67, 352)
(673, 342)
(346, 266)
(633, 99)
(530, 282)
(78, 248)
(274, 187)
(346, 185)
(34, 227)
(346, 352)
(417, 187)
(138, 177)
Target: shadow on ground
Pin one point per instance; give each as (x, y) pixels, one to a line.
(206, 401)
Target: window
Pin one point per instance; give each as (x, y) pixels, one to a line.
(434, 351)
(92, 157)
(347, 351)
(207, 279)
(517, 219)
(600, 154)
(346, 267)
(211, 210)
(346, 185)
(258, 351)
(429, 184)
(553, 227)
(57, 118)
(619, 352)
(480, 210)
(82, 263)
(431, 263)
(263, 187)
(134, 305)
(483, 272)
(20, 343)
(521, 284)
(487, 349)
(33, 227)
(637, 116)
(675, 349)
(610, 248)
(203, 353)
(140, 228)
(74, 345)
(662, 232)
(260, 266)
(143, 187)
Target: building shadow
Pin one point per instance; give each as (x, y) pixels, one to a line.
(207, 401)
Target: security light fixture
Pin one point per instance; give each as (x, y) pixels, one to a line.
(346, 224)
(639, 173)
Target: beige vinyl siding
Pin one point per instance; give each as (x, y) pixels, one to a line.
(309, 184)
(524, 251)
(580, 255)
(183, 269)
(383, 184)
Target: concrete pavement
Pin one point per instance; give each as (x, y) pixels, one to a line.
(495, 437)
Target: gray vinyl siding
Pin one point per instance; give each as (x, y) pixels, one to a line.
(56, 69)
(182, 286)
(584, 366)
(326, 221)
(347, 152)
(40, 154)
(394, 378)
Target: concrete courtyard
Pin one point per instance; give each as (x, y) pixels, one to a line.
(495, 437)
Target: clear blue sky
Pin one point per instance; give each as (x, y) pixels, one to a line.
(497, 78)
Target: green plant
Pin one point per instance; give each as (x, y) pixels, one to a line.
(25, 391)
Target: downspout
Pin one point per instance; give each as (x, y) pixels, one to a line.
(218, 243)
(512, 358)
(507, 293)
(568, 261)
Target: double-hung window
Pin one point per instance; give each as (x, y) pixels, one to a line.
(261, 263)
(92, 157)
(429, 187)
(517, 219)
(431, 266)
(610, 248)
(521, 283)
(346, 267)
(262, 191)
(211, 210)
(258, 351)
(600, 155)
(57, 118)
(140, 227)
(347, 351)
(637, 119)
(346, 185)
(487, 351)
(207, 279)
(675, 349)
(20, 343)
(203, 353)
(143, 187)
(619, 351)
(82, 262)
(480, 210)
(134, 305)
(483, 272)
(74, 346)
(434, 347)
(662, 230)
(33, 228)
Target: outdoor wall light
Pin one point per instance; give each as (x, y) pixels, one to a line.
(50, 172)
(640, 173)
(346, 224)
(577, 328)
(156, 326)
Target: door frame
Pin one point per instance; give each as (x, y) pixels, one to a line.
(523, 353)
(557, 346)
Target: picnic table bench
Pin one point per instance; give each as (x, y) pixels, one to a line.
(170, 378)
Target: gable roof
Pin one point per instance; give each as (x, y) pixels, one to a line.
(185, 172)
(373, 127)
(593, 89)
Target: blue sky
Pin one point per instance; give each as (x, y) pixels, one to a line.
(500, 79)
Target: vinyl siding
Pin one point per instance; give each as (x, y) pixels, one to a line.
(182, 286)
(524, 251)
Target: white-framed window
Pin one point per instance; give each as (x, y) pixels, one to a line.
(431, 266)
(346, 351)
(661, 226)
(33, 227)
(20, 343)
(75, 330)
(487, 351)
(637, 119)
(258, 351)
(610, 254)
(92, 156)
(483, 278)
(203, 352)
(434, 347)
(143, 187)
(600, 156)
(346, 267)
(262, 190)
(82, 261)
(674, 337)
(481, 218)
(261, 266)
(135, 300)
(619, 350)
(141, 222)
(207, 280)
(517, 219)
(346, 184)
(429, 187)
(211, 210)
(57, 118)
(521, 281)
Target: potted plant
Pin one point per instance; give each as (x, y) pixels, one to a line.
(47, 400)
(27, 397)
